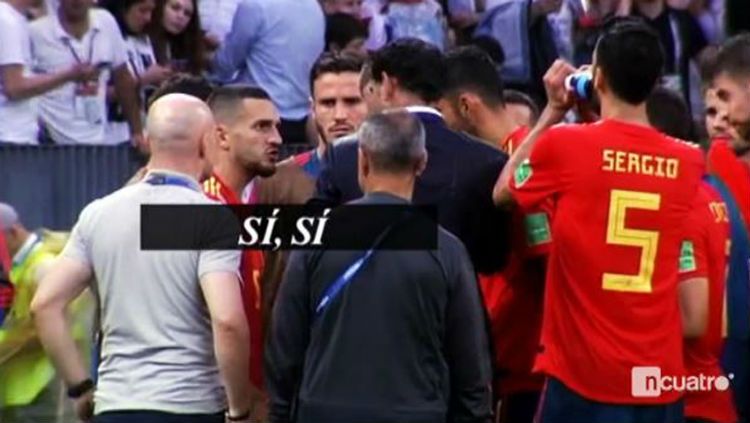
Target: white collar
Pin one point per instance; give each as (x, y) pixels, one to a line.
(25, 249)
(423, 109)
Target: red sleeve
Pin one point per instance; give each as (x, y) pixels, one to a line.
(693, 249)
(538, 177)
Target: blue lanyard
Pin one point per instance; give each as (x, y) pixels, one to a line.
(162, 179)
(348, 275)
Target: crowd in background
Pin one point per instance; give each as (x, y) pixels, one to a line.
(92, 87)
(471, 79)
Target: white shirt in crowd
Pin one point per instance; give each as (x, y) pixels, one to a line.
(70, 115)
(217, 15)
(140, 54)
(19, 117)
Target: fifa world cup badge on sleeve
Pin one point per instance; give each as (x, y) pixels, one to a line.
(523, 173)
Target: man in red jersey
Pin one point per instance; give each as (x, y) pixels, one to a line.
(620, 190)
(473, 103)
(703, 260)
(729, 158)
(247, 145)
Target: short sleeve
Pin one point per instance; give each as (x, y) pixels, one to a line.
(12, 48)
(694, 244)
(79, 243)
(538, 177)
(216, 261)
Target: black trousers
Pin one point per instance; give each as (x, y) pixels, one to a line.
(145, 416)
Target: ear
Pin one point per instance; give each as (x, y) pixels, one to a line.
(421, 165)
(388, 87)
(222, 137)
(464, 105)
(363, 162)
(600, 84)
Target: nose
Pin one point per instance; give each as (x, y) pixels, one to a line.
(275, 138)
(340, 112)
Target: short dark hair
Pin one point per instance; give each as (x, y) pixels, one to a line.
(734, 57)
(225, 100)
(490, 46)
(418, 66)
(342, 29)
(471, 69)
(632, 58)
(183, 83)
(518, 97)
(334, 63)
(668, 112)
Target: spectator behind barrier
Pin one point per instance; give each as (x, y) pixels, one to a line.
(273, 45)
(133, 16)
(19, 88)
(216, 18)
(75, 113)
(176, 36)
(345, 34)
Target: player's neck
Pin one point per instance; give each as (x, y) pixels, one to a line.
(320, 150)
(235, 176)
(618, 110)
(496, 127)
(176, 164)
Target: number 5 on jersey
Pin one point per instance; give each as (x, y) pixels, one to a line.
(617, 234)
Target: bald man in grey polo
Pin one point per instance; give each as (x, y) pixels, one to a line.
(157, 349)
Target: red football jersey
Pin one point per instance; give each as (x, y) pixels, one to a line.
(734, 172)
(704, 254)
(516, 294)
(620, 192)
(251, 269)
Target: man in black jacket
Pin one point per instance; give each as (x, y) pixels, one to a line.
(403, 340)
(461, 171)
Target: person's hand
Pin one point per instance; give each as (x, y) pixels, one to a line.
(156, 74)
(82, 72)
(84, 406)
(558, 97)
(211, 41)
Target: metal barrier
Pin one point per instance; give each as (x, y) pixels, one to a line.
(50, 185)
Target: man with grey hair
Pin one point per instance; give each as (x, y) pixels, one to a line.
(403, 339)
(175, 339)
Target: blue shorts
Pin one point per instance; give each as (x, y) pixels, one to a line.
(559, 404)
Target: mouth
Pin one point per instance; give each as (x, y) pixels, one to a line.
(341, 130)
(272, 155)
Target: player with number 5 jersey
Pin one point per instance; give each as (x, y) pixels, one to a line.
(621, 192)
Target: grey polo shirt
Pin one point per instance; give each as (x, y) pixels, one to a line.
(157, 346)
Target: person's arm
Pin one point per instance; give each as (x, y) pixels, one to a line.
(66, 280)
(693, 268)
(559, 102)
(693, 295)
(246, 27)
(223, 296)
(16, 86)
(126, 92)
(288, 340)
(467, 346)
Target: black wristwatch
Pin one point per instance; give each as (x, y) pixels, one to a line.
(78, 390)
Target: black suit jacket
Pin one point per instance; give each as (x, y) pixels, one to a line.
(460, 175)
